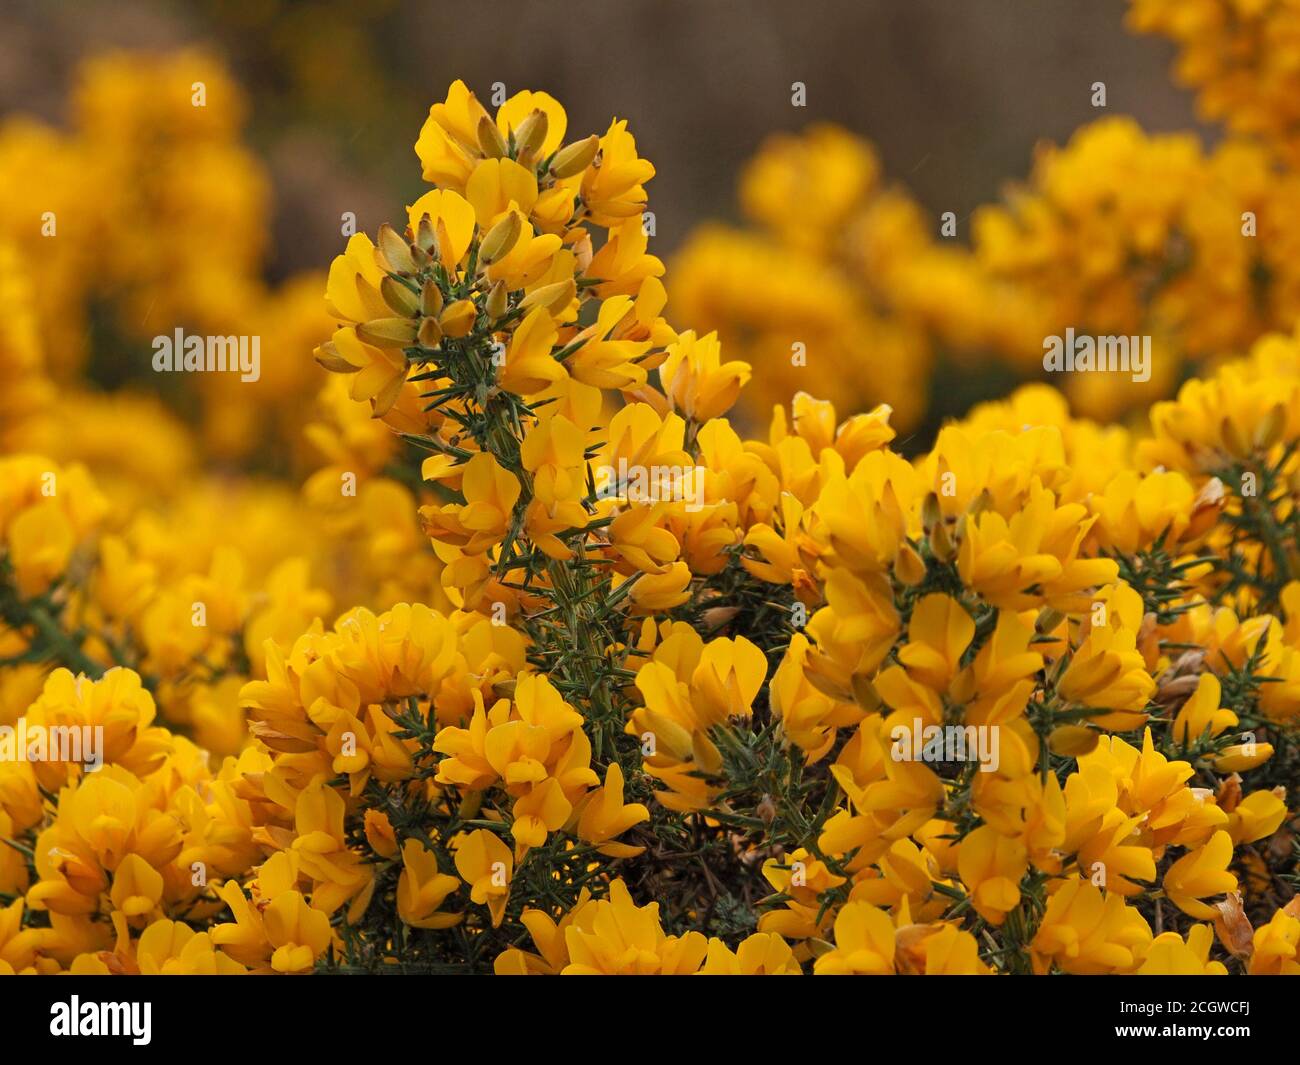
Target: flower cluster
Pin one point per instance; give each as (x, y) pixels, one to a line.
(1116, 233)
(1121, 233)
(552, 668)
(839, 269)
(150, 206)
(1239, 57)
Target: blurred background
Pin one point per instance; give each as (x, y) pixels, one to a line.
(813, 228)
(954, 95)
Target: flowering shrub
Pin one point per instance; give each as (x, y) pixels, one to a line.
(551, 667)
(1118, 232)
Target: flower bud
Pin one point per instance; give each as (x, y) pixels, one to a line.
(328, 356)
(395, 254)
(1233, 926)
(388, 332)
(431, 299)
(1072, 741)
(575, 158)
(530, 133)
(554, 297)
(500, 239)
(426, 237)
(490, 140)
(715, 617)
(1228, 797)
(1049, 620)
(909, 567)
(430, 334)
(931, 513)
(458, 318)
(400, 298)
(941, 542)
(1242, 757)
(498, 301)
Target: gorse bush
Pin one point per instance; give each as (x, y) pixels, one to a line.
(1118, 232)
(551, 668)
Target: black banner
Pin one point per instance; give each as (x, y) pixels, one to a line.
(170, 1014)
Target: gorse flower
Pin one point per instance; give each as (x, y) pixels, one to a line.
(549, 668)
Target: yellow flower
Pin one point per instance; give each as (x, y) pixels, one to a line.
(521, 106)
(19, 946)
(378, 373)
(604, 357)
(1135, 512)
(615, 936)
(481, 522)
(946, 950)
(853, 632)
(1257, 816)
(727, 679)
(615, 188)
(40, 542)
(496, 186)
(448, 141)
(1086, 932)
(864, 943)
(467, 764)
(118, 704)
(867, 514)
(1277, 947)
(171, 948)
(380, 834)
(484, 862)
(625, 267)
(352, 291)
(1201, 714)
(761, 954)
(938, 634)
(422, 889)
(809, 714)
(1169, 955)
(548, 936)
(452, 218)
(1242, 757)
(529, 365)
(655, 593)
(1038, 548)
(298, 933)
(698, 383)
(991, 866)
(1200, 873)
(605, 816)
(1107, 670)
(137, 887)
